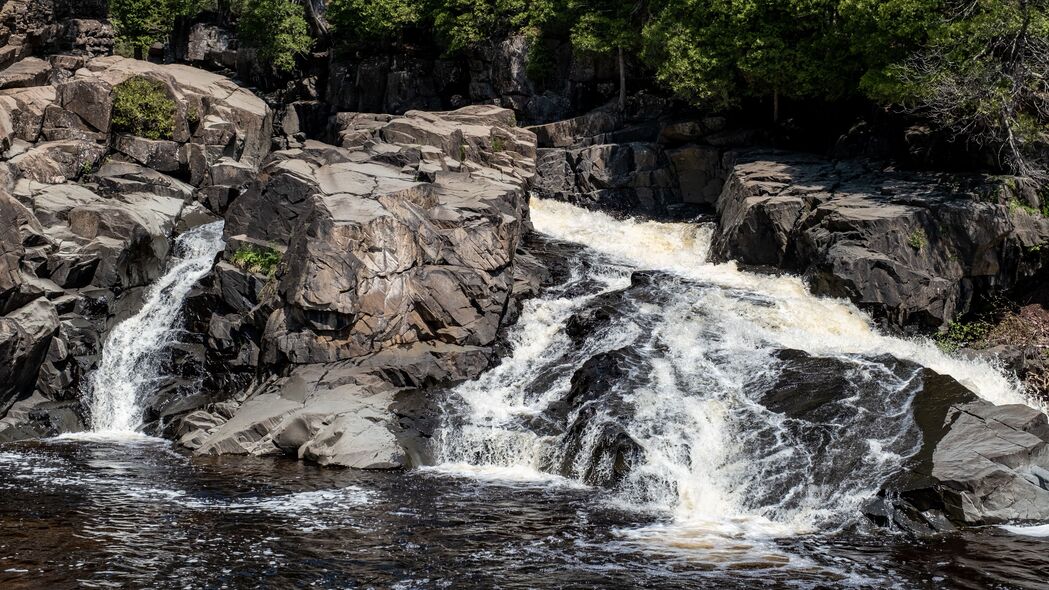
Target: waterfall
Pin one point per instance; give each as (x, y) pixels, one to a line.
(756, 408)
(133, 352)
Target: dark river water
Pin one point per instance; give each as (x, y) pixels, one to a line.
(138, 514)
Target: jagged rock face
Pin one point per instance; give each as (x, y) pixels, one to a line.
(604, 160)
(912, 249)
(70, 25)
(82, 253)
(400, 267)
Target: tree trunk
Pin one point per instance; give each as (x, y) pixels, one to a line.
(622, 81)
(775, 106)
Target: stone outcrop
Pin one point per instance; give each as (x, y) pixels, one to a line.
(913, 249)
(89, 215)
(633, 163)
(75, 26)
(979, 464)
(400, 267)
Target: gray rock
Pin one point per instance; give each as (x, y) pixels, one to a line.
(979, 464)
(331, 414)
(28, 72)
(160, 155)
(25, 335)
(910, 248)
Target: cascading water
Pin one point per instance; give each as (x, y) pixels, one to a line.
(737, 404)
(132, 354)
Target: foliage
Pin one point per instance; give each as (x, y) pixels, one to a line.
(463, 23)
(959, 334)
(983, 74)
(917, 240)
(715, 53)
(540, 62)
(603, 25)
(143, 108)
(140, 23)
(257, 259)
(370, 20)
(1015, 206)
(277, 29)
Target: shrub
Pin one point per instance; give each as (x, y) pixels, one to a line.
(277, 29)
(960, 334)
(917, 240)
(142, 107)
(257, 259)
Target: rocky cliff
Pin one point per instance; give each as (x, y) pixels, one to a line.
(399, 247)
(401, 265)
(915, 249)
(90, 213)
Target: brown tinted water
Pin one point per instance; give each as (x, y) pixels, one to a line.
(137, 514)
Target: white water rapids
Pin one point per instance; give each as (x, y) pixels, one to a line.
(133, 353)
(716, 462)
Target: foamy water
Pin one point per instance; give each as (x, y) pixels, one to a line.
(728, 473)
(795, 319)
(132, 353)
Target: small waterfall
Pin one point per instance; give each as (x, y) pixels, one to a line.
(133, 352)
(755, 408)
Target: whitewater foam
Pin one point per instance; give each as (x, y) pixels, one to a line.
(720, 465)
(133, 353)
(793, 317)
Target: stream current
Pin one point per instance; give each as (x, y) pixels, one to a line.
(682, 458)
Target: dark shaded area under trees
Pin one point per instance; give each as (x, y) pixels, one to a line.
(975, 70)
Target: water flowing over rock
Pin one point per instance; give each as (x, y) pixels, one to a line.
(400, 266)
(130, 366)
(90, 215)
(709, 393)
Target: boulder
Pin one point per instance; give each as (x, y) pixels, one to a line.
(160, 155)
(25, 335)
(979, 464)
(333, 414)
(28, 72)
(910, 248)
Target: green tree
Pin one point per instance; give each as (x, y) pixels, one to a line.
(277, 29)
(606, 26)
(365, 20)
(715, 52)
(464, 23)
(141, 23)
(985, 75)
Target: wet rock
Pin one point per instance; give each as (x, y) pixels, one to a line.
(979, 463)
(597, 409)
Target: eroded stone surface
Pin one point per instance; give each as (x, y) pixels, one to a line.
(913, 249)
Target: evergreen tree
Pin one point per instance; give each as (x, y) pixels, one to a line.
(277, 29)
(985, 75)
(606, 26)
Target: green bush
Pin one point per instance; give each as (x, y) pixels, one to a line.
(257, 259)
(960, 334)
(277, 29)
(917, 240)
(142, 107)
